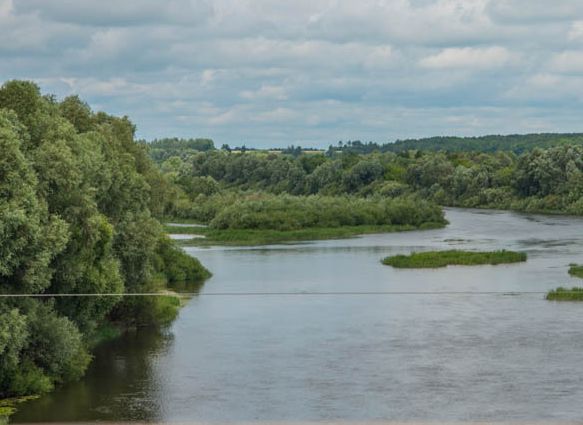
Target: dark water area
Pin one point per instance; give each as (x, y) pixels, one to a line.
(425, 357)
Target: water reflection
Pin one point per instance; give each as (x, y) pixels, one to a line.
(313, 358)
(116, 386)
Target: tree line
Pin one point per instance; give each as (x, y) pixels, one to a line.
(545, 180)
(516, 143)
(78, 201)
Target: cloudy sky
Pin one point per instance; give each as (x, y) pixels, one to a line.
(309, 72)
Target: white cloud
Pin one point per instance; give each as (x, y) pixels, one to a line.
(277, 115)
(6, 7)
(468, 57)
(535, 11)
(265, 92)
(576, 31)
(551, 89)
(568, 61)
(276, 72)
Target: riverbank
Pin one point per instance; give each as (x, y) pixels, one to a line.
(248, 237)
(436, 259)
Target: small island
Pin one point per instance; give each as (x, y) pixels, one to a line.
(565, 294)
(435, 259)
(261, 218)
(576, 270)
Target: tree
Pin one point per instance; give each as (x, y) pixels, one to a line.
(76, 200)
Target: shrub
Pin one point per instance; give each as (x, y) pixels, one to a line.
(293, 213)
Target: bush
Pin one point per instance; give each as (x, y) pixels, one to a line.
(177, 266)
(297, 212)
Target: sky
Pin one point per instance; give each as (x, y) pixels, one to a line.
(271, 73)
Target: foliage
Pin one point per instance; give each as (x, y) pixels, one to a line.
(565, 294)
(177, 265)
(576, 270)
(286, 212)
(537, 180)
(78, 198)
(269, 236)
(517, 143)
(256, 217)
(434, 259)
(8, 407)
(162, 149)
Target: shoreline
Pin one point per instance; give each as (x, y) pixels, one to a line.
(252, 237)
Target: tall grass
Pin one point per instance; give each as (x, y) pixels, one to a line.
(565, 294)
(434, 259)
(576, 270)
(269, 236)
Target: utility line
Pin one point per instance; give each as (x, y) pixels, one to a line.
(299, 293)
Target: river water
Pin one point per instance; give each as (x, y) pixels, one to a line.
(427, 357)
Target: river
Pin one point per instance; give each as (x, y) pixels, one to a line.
(449, 356)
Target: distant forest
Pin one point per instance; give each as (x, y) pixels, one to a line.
(537, 180)
(517, 143)
(162, 149)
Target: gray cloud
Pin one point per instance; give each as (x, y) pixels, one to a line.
(271, 73)
(535, 11)
(118, 13)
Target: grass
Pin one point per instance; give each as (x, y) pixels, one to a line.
(565, 294)
(434, 259)
(251, 237)
(576, 270)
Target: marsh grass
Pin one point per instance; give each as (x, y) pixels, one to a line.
(270, 236)
(435, 259)
(565, 294)
(576, 270)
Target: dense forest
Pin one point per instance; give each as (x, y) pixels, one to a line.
(78, 201)
(542, 180)
(162, 149)
(516, 143)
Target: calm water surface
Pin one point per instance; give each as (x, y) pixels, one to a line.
(366, 357)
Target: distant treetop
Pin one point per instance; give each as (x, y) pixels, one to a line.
(162, 149)
(517, 143)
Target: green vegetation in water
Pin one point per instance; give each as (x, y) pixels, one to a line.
(8, 407)
(565, 294)
(271, 236)
(434, 259)
(261, 218)
(576, 270)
